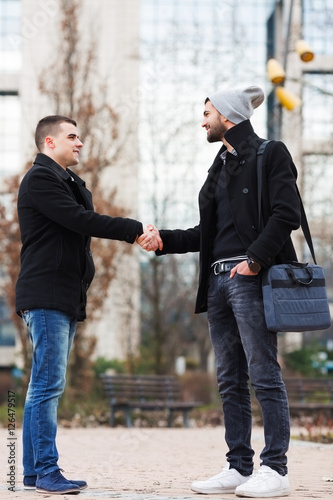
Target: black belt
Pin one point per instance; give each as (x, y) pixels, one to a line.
(224, 267)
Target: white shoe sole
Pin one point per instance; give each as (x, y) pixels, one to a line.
(279, 493)
(212, 491)
(64, 492)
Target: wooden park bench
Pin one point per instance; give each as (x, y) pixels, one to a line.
(146, 393)
(310, 394)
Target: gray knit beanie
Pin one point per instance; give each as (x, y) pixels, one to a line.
(237, 105)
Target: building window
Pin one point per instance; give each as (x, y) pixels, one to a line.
(10, 113)
(318, 186)
(318, 107)
(317, 25)
(10, 20)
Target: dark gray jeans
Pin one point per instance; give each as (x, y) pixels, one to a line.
(244, 349)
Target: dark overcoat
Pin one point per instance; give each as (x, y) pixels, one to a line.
(280, 206)
(57, 220)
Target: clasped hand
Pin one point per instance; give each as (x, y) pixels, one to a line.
(150, 240)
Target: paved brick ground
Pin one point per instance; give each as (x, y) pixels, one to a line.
(160, 463)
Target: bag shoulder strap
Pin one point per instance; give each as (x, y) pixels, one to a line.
(260, 154)
(304, 221)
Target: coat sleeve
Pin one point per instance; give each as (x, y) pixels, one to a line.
(180, 240)
(281, 205)
(53, 200)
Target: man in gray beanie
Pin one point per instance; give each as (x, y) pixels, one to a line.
(233, 251)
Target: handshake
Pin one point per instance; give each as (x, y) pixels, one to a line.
(150, 240)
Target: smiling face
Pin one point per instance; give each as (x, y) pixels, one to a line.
(64, 146)
(214, 123)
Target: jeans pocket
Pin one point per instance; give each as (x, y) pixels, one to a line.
(247, 277)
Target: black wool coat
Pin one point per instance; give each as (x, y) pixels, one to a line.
(280, 208)
(57, 221)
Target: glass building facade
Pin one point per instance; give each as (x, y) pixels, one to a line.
(10, 135)
(317, 124)
(191, 48)
(318, 89)
(10, 27)
(10, 64)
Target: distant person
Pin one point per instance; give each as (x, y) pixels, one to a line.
(57, 220)
(233, 252)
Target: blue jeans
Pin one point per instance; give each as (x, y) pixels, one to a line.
(244, 349)
(51, 333)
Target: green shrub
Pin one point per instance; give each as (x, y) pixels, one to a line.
(101, 365)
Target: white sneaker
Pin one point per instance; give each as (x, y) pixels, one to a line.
(225, 482)
(266, 483)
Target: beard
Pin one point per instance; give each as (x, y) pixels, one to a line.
(216, 132)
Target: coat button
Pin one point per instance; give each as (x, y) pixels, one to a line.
(242, 162)
(245, 191)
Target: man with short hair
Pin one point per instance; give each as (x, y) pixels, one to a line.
(233, 250)
(57, 221)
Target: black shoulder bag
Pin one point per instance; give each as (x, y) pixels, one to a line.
(294, 294)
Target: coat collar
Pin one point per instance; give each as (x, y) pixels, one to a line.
(46, 161)
(67, 175)
(243, 139)
(242, 136)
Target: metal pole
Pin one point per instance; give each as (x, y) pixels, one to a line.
(285, 60)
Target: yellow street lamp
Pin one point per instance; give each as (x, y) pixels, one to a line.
(276, 74)
(288, 100)
(304, 51)
(275, 71)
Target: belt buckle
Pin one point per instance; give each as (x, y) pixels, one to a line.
(221, 264)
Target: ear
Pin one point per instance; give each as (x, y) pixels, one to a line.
(50, 142)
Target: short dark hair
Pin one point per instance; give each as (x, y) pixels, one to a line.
(49, 125)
